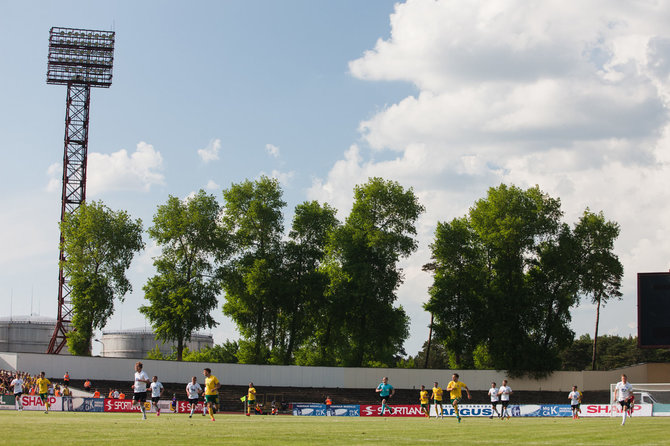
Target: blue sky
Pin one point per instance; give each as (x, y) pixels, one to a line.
(444, 97)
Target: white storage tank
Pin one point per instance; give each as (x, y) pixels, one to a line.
(137, 343)
(26, 334)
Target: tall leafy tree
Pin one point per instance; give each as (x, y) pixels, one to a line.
(252, 279)
(601, 270)
(184, 290)
(505, 281)
(305, 282)
(364, 254)
(457, 295)
(99, 246)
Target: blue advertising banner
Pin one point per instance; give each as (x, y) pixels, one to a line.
(309, 409)
(344, 410)
(79, 404)
(544, 410)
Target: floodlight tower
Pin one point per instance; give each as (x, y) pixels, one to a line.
(80, 59)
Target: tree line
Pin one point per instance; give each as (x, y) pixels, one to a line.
(505, 276)
(323, 294)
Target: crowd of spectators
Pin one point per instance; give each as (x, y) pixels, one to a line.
(29, 384)
(7, 376)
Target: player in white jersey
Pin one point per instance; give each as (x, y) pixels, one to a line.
(17, 383)
(505, 391)
(140, 388)
(623, 393)
(575, 398)
(193, 391)
(493, 393)
(156, 393)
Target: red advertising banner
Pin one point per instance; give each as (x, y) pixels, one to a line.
(113, 405)
(399, 410)
(185, 407)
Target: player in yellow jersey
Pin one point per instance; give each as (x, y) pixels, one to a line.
(454, 387)
(437, 400)
(43, 389)
(424, 401)
(251, 398)
(212, 385)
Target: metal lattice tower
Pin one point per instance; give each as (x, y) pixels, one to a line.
(80, 59)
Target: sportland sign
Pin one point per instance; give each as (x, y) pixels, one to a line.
(398, 410)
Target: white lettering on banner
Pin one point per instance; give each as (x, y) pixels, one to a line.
(112, 405)
(185, 407)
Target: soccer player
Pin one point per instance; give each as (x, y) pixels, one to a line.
(424, 401)
(493, 393)
(505, 391)
(17, 383)
(437, 400)
(157, 390)
(193, 391)
(212, 385)
(43, 389)
(623, 393)
(575, 398)
(455, 388)
(251, 398)
(385, 391)
(140, 388)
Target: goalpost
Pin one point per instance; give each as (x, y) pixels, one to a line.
(657, 394)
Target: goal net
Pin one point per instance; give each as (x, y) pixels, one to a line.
(657, 394)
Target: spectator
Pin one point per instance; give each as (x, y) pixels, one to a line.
(87, 385)
(96, 394)
(122, 396)
(66, 378)
(116, 395)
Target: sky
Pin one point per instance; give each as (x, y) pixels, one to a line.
(449, 98)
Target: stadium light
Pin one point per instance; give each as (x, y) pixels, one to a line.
(80, 56)
(80, 59)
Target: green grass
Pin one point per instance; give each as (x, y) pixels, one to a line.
(103, 428)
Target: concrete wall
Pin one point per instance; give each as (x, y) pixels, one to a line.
(295, 376)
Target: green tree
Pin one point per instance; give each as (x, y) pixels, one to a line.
(615, 352)
(363, 266)
(99, 245)
(601, 270)
(184, 291)
(505, 282)
(219, 353)
(304, 282)
(457, 295)
(252, 279)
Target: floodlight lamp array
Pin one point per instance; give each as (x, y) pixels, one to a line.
(80, 56)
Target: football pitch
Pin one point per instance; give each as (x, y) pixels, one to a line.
(103, 428)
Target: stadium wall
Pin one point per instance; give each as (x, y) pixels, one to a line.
(115, 369)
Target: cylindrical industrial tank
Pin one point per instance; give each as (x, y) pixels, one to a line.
(26, 334)
(136, 343)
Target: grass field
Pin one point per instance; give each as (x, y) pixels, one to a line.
(169, 429)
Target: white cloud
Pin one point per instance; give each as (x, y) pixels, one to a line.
(137, 171)
(55, 174)
(272, 150)
(571, 97)
(285, 178)
(211, 152)
(211, 185)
